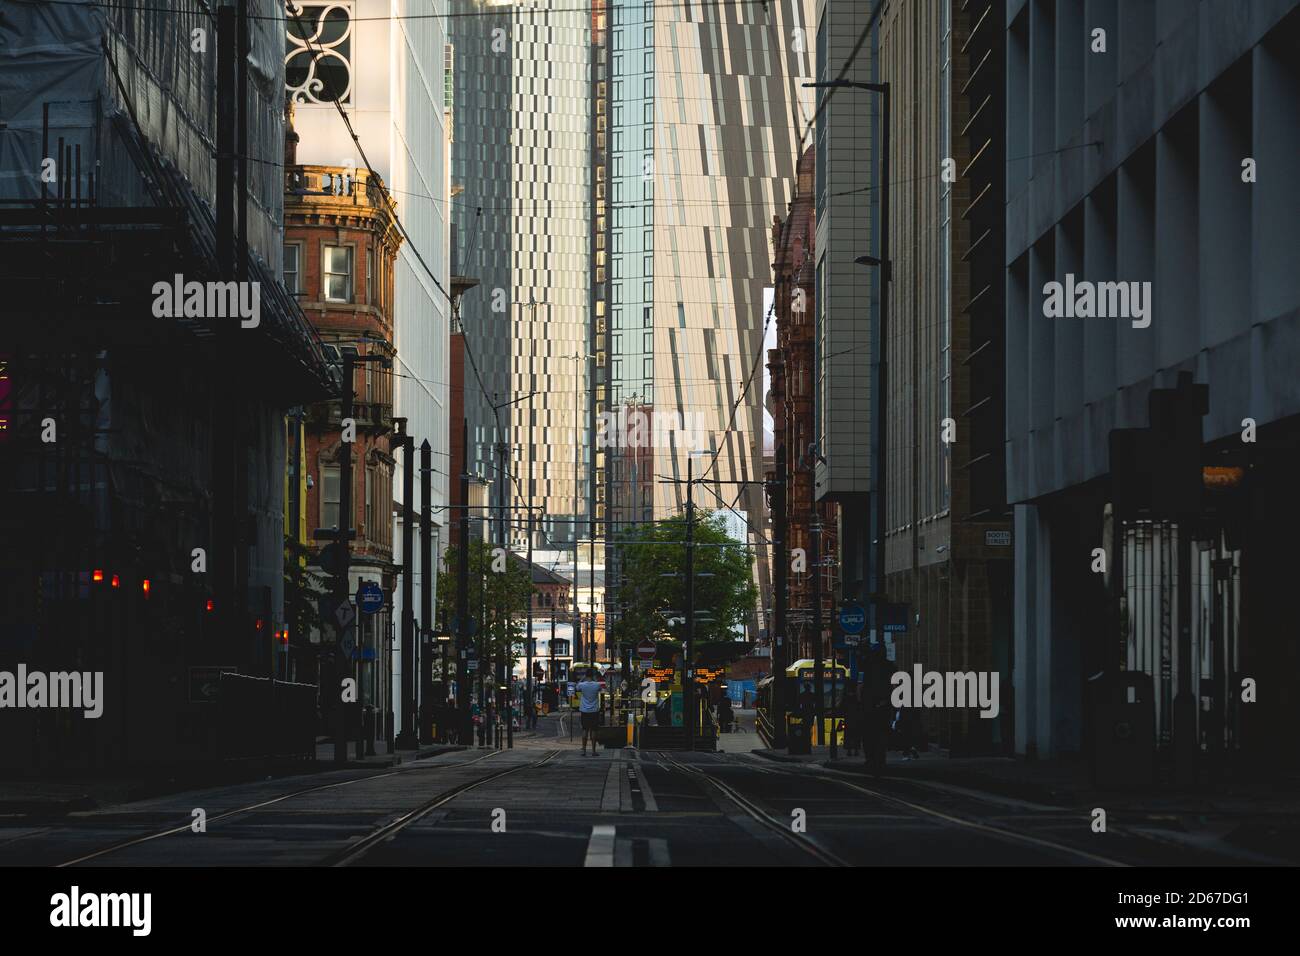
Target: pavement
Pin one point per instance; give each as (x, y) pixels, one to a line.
(86, 791)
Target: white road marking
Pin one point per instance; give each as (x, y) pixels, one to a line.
(600, 849)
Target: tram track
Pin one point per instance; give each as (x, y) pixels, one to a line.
(262, 804)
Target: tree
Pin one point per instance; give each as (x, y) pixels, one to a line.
(654, 583)
(499, 592)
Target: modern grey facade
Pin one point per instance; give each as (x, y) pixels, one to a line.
(1128, 161)
(523, 224)
(706, 115)
(847, 294)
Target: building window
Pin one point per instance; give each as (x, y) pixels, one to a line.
(371, 487)
(338, 273)
(292, 252)
(329, 496)
(370, 277)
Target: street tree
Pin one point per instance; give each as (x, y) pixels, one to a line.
(654, 584)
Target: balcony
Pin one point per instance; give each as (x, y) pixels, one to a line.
(334, 186)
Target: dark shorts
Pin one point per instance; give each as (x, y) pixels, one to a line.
(590, 721)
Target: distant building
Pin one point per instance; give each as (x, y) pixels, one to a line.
(706, 119)
(792, 364)
(388, 74)
(340, 246)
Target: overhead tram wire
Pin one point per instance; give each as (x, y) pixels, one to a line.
(496, 12)
(356, 140)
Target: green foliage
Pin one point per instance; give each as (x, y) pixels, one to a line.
(301, 587)
(499, 591)
(654, 564)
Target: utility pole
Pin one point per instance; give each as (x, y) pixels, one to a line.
(577, 454)
(818, 667)
(408, 739)
(466, 733)
(428, 574)
(530, 711)
(781, 611)
(688, 678)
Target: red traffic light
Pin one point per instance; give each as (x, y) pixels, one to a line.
(210, 605)
(145, 587)
(116, 582)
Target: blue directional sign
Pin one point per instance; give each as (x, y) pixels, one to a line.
(852, 618)
(370, 597)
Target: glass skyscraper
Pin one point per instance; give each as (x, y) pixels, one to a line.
(707, 118)
(523, 157)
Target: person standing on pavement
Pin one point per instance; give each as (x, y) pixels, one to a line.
(589, 710)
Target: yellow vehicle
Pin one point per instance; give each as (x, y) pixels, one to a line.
(800, 674)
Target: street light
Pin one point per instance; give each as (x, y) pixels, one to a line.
(882, 360)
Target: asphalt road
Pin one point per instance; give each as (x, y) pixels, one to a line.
(545, 804)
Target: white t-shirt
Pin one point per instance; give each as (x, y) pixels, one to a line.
(589, 697)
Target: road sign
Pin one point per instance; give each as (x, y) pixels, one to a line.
(205, 682)
(646, 650)
(370, 597)
(896, 616)
(345, 614)
(348, 639)
(852, 618)
(997, 539)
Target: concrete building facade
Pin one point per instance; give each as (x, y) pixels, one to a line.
(1151, 143)
(948, 548)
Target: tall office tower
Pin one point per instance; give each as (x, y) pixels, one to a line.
(522, 156)
(707, 114)
(386, 72)
(847, 208)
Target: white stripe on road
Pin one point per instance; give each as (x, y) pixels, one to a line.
(651, 805)
(609, 799)
(600, 848)
(659, 852)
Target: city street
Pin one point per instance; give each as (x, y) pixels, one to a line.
(546, 804)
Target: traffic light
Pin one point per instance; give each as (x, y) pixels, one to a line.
(1156, 471)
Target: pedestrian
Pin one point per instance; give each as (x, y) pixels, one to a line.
(589, 710)
(725, 715)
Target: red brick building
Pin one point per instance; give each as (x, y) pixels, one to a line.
(341, 240)
(792, 365)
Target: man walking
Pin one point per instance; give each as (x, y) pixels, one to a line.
(589, 709)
